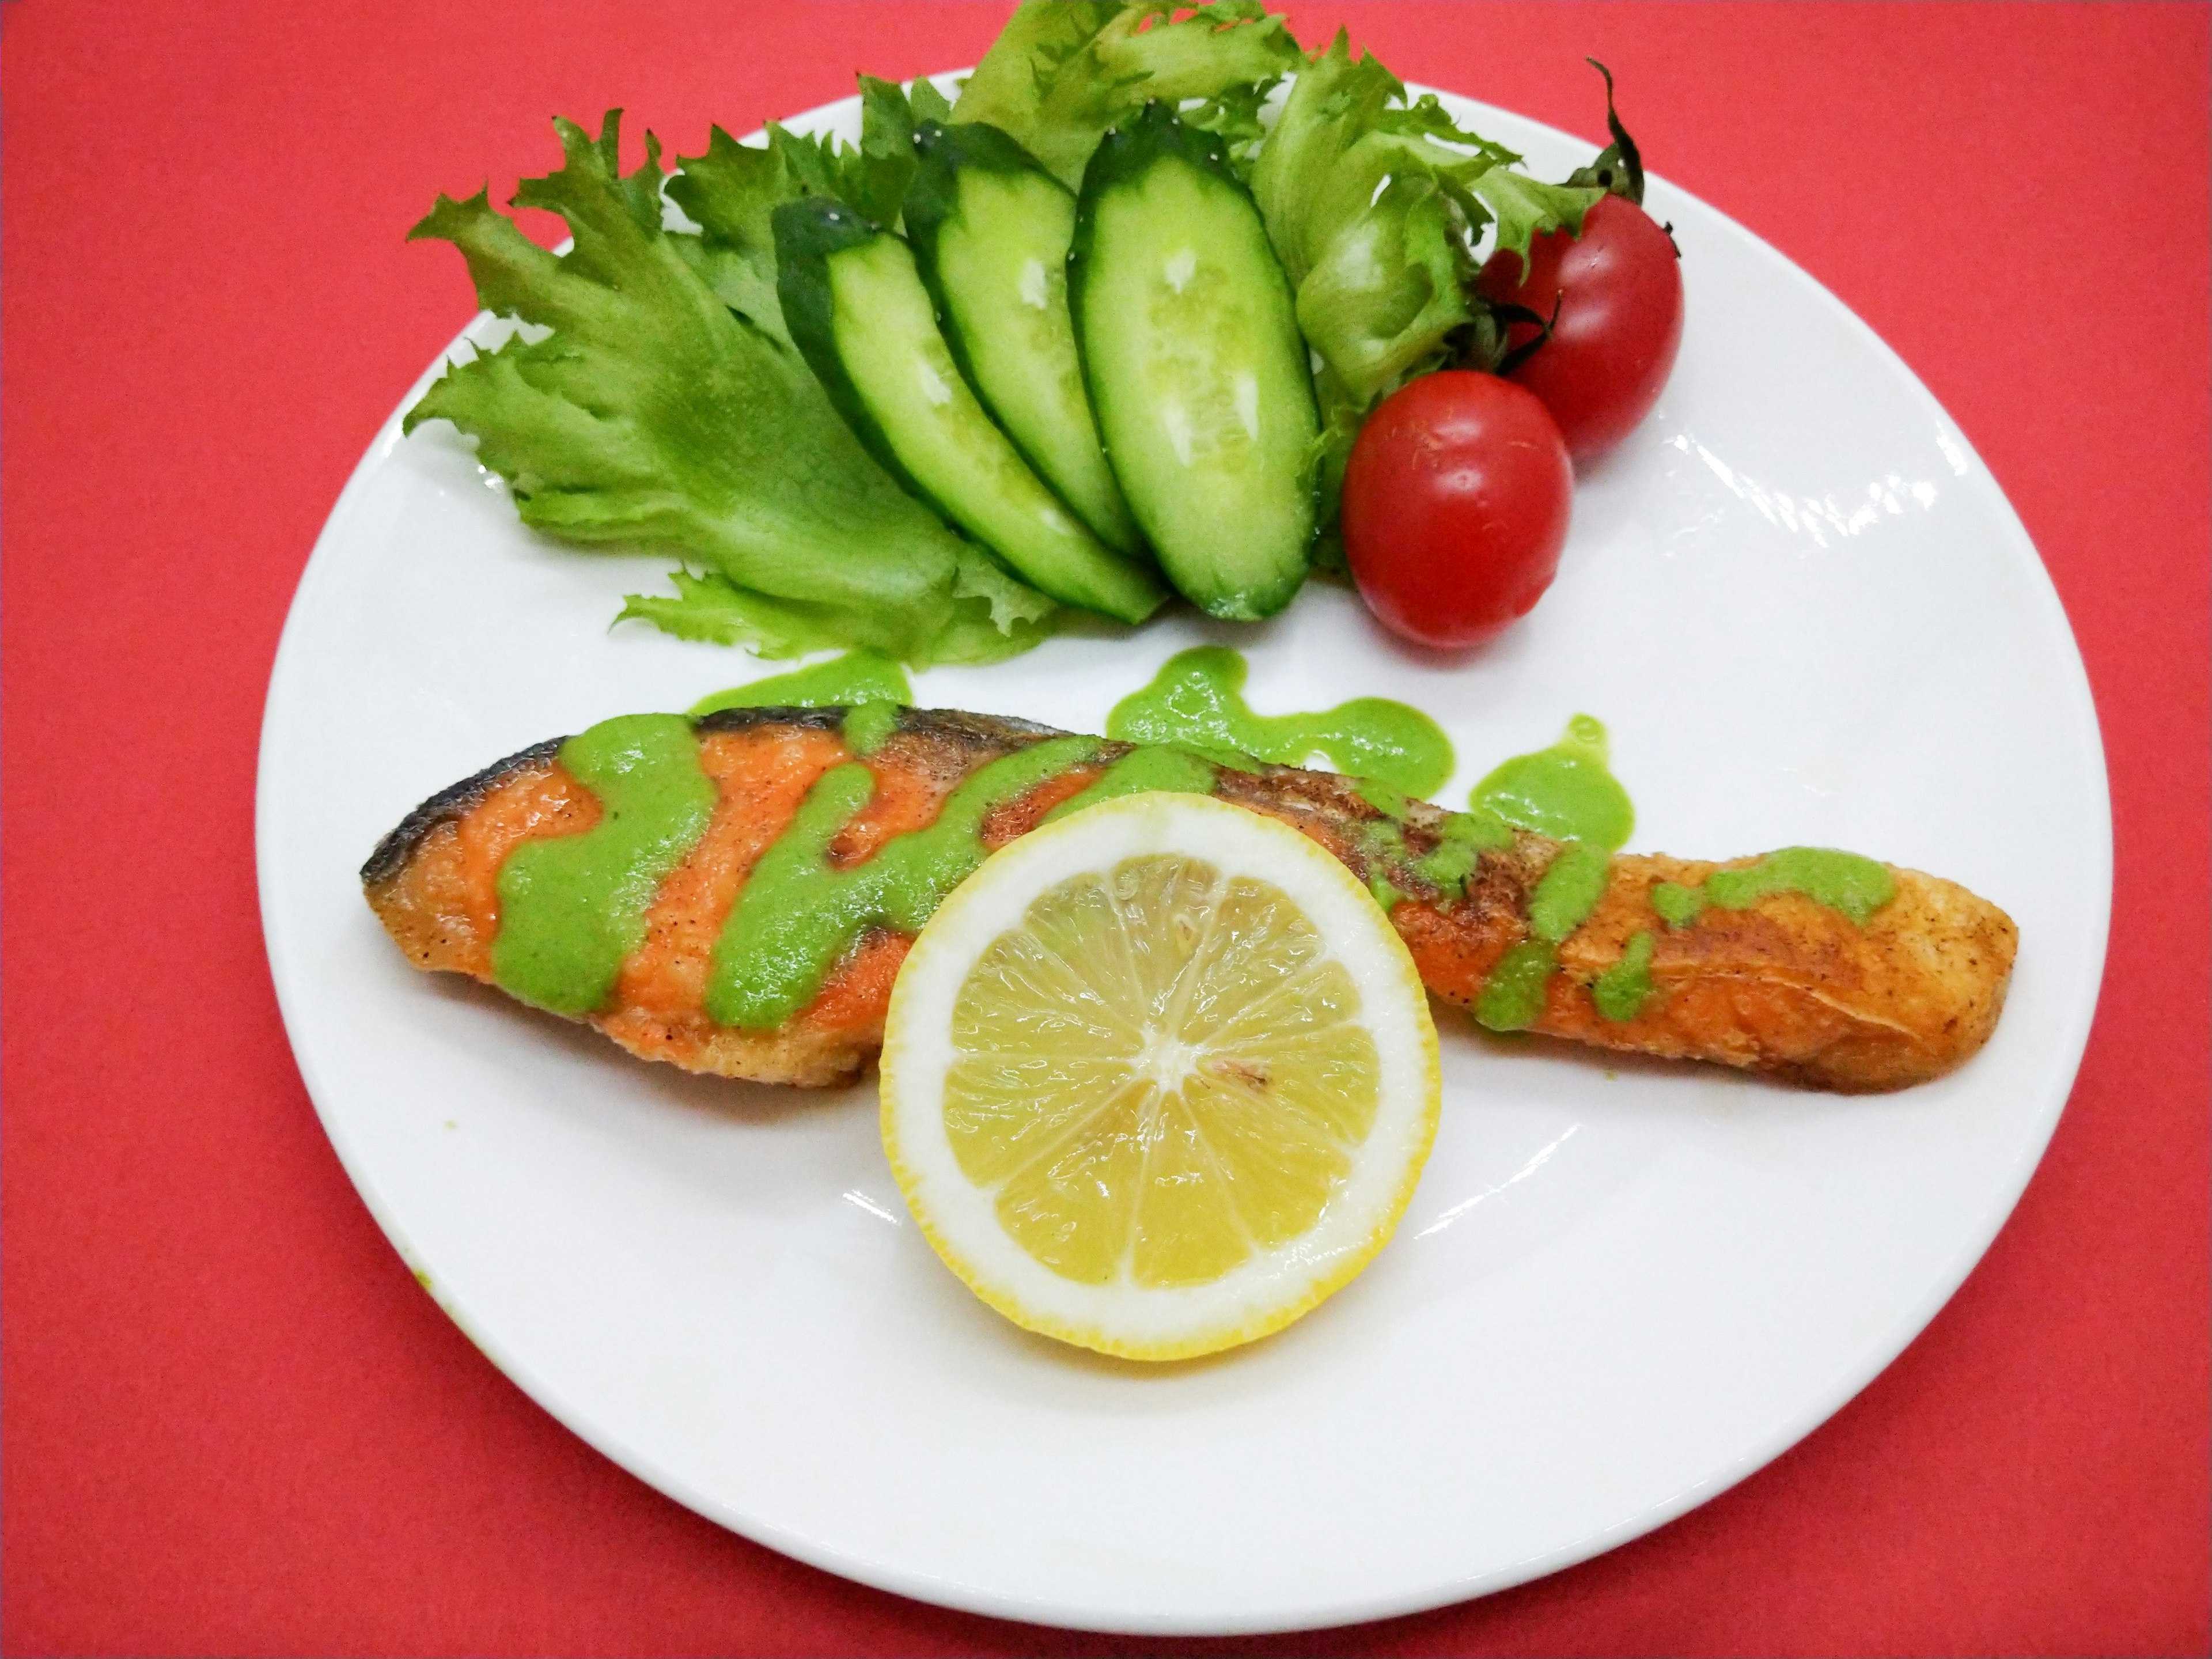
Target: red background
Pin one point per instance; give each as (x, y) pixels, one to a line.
(232, 1422)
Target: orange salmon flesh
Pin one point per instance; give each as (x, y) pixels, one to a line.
(1786, 986)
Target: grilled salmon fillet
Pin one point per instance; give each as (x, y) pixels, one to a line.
(1783, 986)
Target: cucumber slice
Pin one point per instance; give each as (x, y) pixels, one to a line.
(1196, 369)
(858, 311)
(990, 229)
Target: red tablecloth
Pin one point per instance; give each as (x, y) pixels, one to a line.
(234, 1423)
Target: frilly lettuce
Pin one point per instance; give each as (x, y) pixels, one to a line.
(658, 400)
(666, 410)
(1062, 71)
(1375, 205)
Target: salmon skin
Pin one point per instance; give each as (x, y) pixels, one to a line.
(1782, 985)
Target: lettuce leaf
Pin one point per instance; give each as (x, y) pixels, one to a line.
(1345, 129)
(1062, 71)
(730, 191)
(1388, 287)
(709, 606)
(655, 415)
(1526, 207)
(1233, 113)
(1375, 205)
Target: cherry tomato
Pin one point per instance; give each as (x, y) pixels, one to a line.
(1455, 505)
(1618, 290)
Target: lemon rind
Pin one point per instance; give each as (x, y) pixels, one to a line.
(1263, 1295)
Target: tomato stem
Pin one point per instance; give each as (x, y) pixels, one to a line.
(1510, 314)
(1619, 168)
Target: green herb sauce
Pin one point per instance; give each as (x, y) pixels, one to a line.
(1463, 838)
(857, 676)
(1570, 891)
(1142, 771)
(1843, 881)
(1196, 701)
(795, 916)
(1512, 998)
(1621, 990)
(1677, 906)
(1391, 803)
(572, 908)
(1567, 792)
(869, 725)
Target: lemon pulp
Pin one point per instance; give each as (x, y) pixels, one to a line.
(1158, 1078)
(1158, 1073)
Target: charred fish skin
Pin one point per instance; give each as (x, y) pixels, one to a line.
(990, 732)
(1784, 986)
(449, 804)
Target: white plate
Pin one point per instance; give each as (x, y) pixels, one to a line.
(1808, 615)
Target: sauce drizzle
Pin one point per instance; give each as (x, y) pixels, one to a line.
(795, 916)
(1568, 792)
(572, 908)
(1197, 701)
(857, 676)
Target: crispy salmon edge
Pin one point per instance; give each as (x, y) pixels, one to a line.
(457, 801)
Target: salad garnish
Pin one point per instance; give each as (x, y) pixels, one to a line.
(658, 395)
(653, 414)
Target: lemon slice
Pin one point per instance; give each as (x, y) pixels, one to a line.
(1158, 1078)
